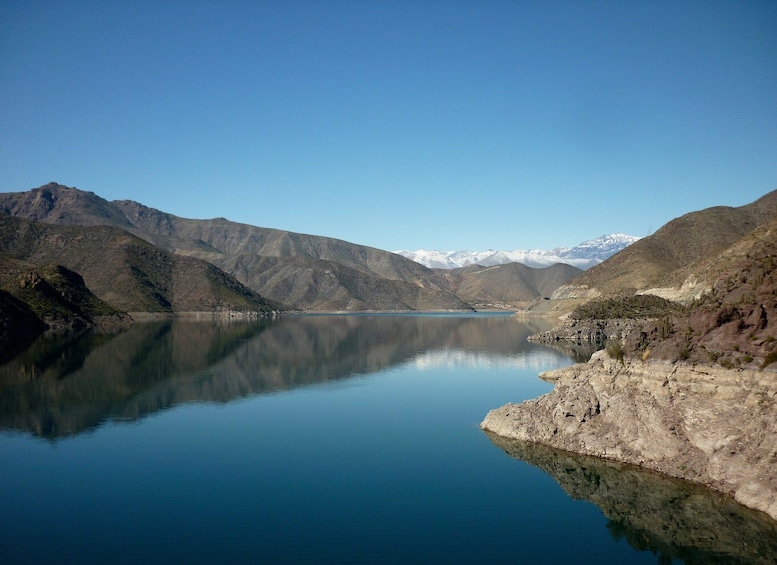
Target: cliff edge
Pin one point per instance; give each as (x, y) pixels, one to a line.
(705, 424)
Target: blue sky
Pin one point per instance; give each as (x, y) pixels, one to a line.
(401, 125)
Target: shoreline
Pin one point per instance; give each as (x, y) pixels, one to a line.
(706, 425)
(232, 314)
(128, 318)
(146, 316)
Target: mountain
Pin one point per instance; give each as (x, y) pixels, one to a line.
(511, 285)
(124, 271)
(680, 248)
(302, 271)
(681, 261)
(298, 270)
(208, 239)
(582, 256)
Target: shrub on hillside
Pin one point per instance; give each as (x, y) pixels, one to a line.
(615, 350)
(639, 307)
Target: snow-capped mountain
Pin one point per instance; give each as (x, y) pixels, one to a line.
(583, 256)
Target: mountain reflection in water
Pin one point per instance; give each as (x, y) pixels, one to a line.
(63, 385)
(672, 518)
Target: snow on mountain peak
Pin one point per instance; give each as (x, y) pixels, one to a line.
(584, 255)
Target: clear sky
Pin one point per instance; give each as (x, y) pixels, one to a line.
(397, 124)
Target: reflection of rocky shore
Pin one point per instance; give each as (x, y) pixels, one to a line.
(708, 425)
(669, 517)
(579, 352)
(63, 385)
(579, 332)
(578, 340)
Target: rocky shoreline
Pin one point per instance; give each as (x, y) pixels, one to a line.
(707, 425)
(672, 518)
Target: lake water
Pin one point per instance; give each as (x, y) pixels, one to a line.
(327, 439)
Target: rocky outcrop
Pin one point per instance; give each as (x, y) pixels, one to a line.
(707, 425)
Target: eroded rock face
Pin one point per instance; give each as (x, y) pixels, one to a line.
(708, 425)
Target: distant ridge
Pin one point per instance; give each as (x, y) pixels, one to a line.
(298, 271)
(511, 285)
(582, 256)
(681, 261)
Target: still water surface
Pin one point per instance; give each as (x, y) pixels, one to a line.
(321, 439)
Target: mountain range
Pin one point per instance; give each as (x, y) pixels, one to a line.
(68, 254)
(582, 256)
(139, 259)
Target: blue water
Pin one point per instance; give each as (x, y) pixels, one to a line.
(377, 459)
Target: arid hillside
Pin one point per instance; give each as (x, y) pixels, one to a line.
(124, 271)
(301, 271)
(512, 284)
(733, 324)
(677, 262)
(33, 299)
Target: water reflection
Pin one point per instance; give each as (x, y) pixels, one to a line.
(64, 385)
(672, 518)
(536, 360)
(579, 352)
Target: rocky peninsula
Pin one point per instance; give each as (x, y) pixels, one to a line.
(705, 424)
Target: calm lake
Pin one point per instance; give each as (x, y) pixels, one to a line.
(327, 439)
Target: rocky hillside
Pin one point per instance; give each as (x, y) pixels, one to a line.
(675, 262)
(126, 272)
(34, 299)
(735, 324)
(685, 388)
(302, 271)
(732, 325)
(298, 270)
